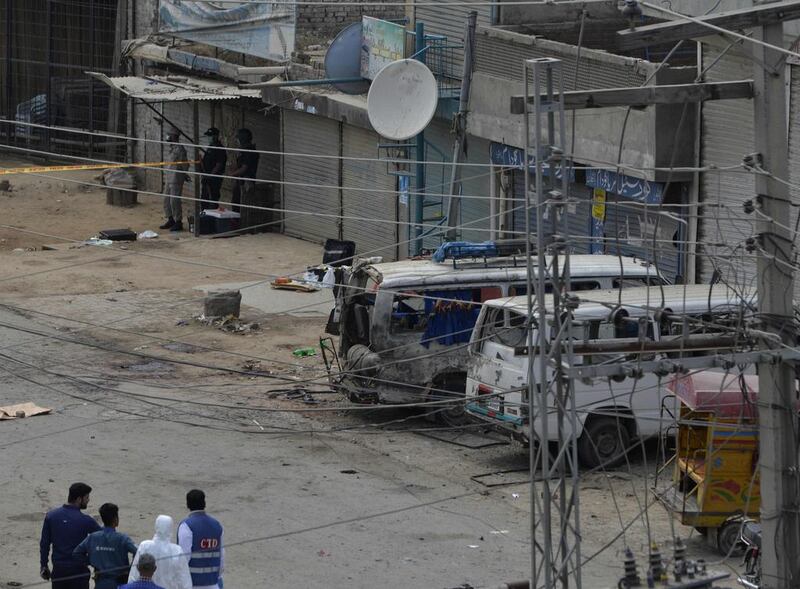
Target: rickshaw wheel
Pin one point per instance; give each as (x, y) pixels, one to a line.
(728, 538)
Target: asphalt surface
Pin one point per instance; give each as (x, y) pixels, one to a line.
(301, 507)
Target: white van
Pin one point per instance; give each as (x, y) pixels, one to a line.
(499, 360)
(404, 327)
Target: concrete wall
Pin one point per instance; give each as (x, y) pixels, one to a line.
(649, 134)
(699, 7)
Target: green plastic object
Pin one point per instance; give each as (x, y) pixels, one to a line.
(303, 352)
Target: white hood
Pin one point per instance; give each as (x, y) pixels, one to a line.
(163, 529)
(172, 566)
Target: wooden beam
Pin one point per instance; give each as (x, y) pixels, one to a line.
(641, 96)
(744, 18)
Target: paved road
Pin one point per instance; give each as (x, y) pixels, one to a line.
(300, 509)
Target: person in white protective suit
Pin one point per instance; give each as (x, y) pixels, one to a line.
(173, 564)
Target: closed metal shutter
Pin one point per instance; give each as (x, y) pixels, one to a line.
(794, 150)
(319, 193)
(727, 137)
(629, 230)
(368, 193)
(451, 21)
(579, 223)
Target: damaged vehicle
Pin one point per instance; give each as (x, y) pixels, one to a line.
(607, 327)
(404, 327)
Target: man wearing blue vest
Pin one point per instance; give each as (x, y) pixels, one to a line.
(200, 536)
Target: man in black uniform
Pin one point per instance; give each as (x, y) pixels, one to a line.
(246, 167)
(214, 161)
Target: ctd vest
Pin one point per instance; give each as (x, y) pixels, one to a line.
(205, 559)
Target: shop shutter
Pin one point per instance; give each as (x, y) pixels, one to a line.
(369, 193)
(318, 177)
(629, 229)
(727, 137)
(578, 214)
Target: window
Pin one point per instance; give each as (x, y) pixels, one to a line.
(408, 313)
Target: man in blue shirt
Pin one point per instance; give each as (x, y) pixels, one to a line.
(147, 568)
(64, 528)
(107, 551)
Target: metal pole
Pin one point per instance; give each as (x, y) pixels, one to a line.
(777, 404)
(197, 166)
(532, 458)
(460, 125)
(419, 199)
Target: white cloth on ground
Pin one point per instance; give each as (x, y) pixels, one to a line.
(172, 565)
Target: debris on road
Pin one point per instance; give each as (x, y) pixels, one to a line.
(148, 234)
(285, 283)
(22, 410)
(304, 352)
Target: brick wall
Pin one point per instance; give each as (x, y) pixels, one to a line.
(317, 23)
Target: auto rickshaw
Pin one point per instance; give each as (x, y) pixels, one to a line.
(714, 482)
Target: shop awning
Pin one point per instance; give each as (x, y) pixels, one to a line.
(175, 88)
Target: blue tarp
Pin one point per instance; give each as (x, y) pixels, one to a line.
(460, 249)
(449, 321)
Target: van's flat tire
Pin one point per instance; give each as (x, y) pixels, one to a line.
(454, 415)
(604, 441)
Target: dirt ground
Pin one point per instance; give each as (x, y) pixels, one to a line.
(148, 402)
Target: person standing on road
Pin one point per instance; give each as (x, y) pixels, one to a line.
(173, 564)
(245, 170)
(200, 535)
(64, 528)
(215, 159)
(107, 551)
(146, 567)
(174, 177)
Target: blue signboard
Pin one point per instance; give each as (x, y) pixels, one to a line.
(627, 186)
(512, 157)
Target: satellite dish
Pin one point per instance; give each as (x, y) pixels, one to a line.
(402, 99)
(343, 60)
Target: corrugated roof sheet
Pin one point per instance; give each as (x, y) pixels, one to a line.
(175, 88)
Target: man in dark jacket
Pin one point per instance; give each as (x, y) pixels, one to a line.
(64, 528)
(107, 551)
(214, 160)
(245, 169)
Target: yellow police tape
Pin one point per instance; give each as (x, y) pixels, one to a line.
(41, 169)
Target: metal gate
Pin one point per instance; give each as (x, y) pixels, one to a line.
(728, 135)
(578, 213)
(629, 230)
(311, 196)
(369, 192)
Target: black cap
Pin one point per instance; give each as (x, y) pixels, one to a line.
(212, 132)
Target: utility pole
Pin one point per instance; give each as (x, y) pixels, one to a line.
(778, 456)
(555, 517)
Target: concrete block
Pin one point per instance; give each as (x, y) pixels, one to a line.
(223, 303)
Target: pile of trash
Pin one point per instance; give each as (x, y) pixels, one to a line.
(229, 323)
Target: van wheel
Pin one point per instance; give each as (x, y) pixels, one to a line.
(453, 414)
(604, 442)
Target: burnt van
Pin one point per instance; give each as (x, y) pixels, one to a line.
(404, 327)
